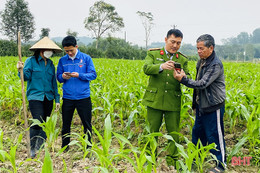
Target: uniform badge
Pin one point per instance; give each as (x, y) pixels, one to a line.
(80, 65)
(158, 59)
(161, 52)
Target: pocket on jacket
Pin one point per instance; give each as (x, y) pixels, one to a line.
(50, 75)
(37, 73)
(150, 93)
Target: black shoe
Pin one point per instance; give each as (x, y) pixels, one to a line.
(33, 153)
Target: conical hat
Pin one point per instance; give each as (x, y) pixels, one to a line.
(46, 43)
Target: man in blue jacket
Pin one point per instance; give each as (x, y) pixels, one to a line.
(208, 99)
(75, 70)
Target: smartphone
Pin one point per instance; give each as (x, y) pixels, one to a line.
(67, 73)
(177, 66)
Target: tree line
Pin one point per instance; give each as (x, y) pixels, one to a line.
(109, 47)
(103, 19)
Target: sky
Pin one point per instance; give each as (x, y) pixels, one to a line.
(221, 18)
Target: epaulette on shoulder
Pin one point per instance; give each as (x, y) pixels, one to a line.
(183, 54)
(152, 49)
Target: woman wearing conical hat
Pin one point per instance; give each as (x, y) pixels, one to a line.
(39, 72)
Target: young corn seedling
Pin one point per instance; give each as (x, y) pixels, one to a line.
(194, 155)
(104, 155)
(11, 156)
(82, 142)
(49, 127)
(47, 166)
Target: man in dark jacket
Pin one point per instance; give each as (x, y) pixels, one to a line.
(208, 98)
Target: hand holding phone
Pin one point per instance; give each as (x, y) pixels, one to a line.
(177, 66)
(67, 73)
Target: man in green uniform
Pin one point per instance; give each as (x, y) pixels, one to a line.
(163, 94)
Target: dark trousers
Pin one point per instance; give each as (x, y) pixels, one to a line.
(84, 108)
(209, 128)
(40, 110)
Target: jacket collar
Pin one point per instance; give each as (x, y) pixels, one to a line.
(77, 55)
(208, 60)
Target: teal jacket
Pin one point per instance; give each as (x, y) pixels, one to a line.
(41, 79)
(163, 91)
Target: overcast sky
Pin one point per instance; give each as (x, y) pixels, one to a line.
(221, 18)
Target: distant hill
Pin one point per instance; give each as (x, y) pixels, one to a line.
(156, 45)
(81, 40)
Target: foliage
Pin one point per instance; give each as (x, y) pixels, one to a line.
(17, 17)
(120, 134)
(194, 156)
(103, 18)
(72, 33)
(11, 156)
(47, 164)
(244, 38)
(49, 127)
(45, 32)
(116, 48)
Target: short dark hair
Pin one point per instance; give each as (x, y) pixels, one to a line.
(69, 41)
(175, 32)
(207, 39)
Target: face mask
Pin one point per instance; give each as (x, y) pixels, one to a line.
(47, 53)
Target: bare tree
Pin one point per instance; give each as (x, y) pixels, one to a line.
(147, 21)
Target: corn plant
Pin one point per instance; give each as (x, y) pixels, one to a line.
(140, 157)
(103, 153)
(194, 155)
(11, 156)
(2, 153)
(144, 157)
(47, 166)
(82, 142)
(49, 127)
(251, 136)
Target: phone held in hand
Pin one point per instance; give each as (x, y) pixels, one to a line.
(177, 66)
(67, 73)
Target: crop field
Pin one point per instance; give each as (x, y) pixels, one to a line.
(120, 131)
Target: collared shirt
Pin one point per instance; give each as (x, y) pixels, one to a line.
(41, 79)
(73, 57)
(76, 88)
(168, 57)
(167, 53)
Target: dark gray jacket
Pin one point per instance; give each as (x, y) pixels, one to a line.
(210, 85)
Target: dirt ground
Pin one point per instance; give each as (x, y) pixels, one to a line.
(73, 158)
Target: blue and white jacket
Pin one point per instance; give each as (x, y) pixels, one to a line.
(76, 88)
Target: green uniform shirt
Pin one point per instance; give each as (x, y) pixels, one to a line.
(163, 91)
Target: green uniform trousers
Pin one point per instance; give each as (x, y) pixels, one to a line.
(172, 122)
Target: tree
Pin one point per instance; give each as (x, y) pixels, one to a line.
(45, 32)
(17, 17)
(71, 33)
(243, 38)
(256, 36)
(147, 21)
(103, 18)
